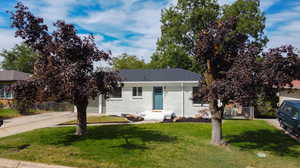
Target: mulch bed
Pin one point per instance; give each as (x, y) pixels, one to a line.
(190, 119)
(132, 118)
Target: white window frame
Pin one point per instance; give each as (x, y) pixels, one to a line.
(117, 98)
(137, 96)
(4, 86)
(197, 104)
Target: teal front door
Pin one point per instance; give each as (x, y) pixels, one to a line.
(158, 98)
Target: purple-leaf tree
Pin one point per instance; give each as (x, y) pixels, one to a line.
(64, 71)
(237, 69)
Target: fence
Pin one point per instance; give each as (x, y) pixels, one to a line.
(239, 112)
(54, 106)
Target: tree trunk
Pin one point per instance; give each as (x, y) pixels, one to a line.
(216, 122)
(81, 119)
(216, 113)
(216, 137)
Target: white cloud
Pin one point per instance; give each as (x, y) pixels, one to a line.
(112, 17)
(172, 3)
(223, 2)
(7, 40)
(288, 38)
(284, 27)
(51, 10)
(293, 26)
(282, 17)
(117, 49)
(266, 4)
(143, 21)
(288, 34)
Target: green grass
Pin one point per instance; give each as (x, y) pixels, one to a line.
(11, 113)
(8, 113)
(169, 145)
(100, 119)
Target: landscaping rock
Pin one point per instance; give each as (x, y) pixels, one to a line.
(133, 118)
(205, 114)
(261, 155)
(250, 167)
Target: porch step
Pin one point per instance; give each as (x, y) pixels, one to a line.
(158, 115)
(157, 111)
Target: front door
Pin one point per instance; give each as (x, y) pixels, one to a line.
(157, 98)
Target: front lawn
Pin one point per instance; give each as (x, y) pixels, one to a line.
(169, 145)
(8, 113)
(11, 113)
(100, 119)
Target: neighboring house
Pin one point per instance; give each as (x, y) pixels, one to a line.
(156, 90)
(290, 94)
(7, 78)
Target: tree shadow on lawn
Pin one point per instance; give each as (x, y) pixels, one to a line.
(130, 137)
(273, 141)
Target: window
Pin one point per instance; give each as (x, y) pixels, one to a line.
(291, 111)
(196, 100)
(5, 92)
(116, 93)
(282, 106)
(137, 91)
(294, 113)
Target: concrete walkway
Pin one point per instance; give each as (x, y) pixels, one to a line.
(274, 123)
(27, 123)
(6, 163)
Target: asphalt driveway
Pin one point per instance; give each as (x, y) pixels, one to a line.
(28, 123)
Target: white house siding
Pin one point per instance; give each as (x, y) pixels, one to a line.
(289, 95)
(190, 108)
(173, 99)
(93, 106)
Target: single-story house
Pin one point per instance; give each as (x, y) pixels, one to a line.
(290, 93)
(7, 78)
(155, 90)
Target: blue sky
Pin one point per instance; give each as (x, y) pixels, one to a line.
(133, 26)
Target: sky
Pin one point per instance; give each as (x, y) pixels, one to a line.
(133, 26)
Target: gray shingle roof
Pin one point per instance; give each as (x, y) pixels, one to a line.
(147, 75)
(12, 75)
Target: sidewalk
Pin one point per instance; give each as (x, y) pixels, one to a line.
(6, 163)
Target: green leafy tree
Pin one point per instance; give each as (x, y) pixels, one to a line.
(182, 23)
(250, 19)
(233, 73)
(126, 61)
(20, 58)
(64, 71)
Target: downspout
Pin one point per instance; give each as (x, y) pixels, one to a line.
(100, 104)
(182, 94)
(103, 104)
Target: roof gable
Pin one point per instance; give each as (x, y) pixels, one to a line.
(148, 75)
(12, 75)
